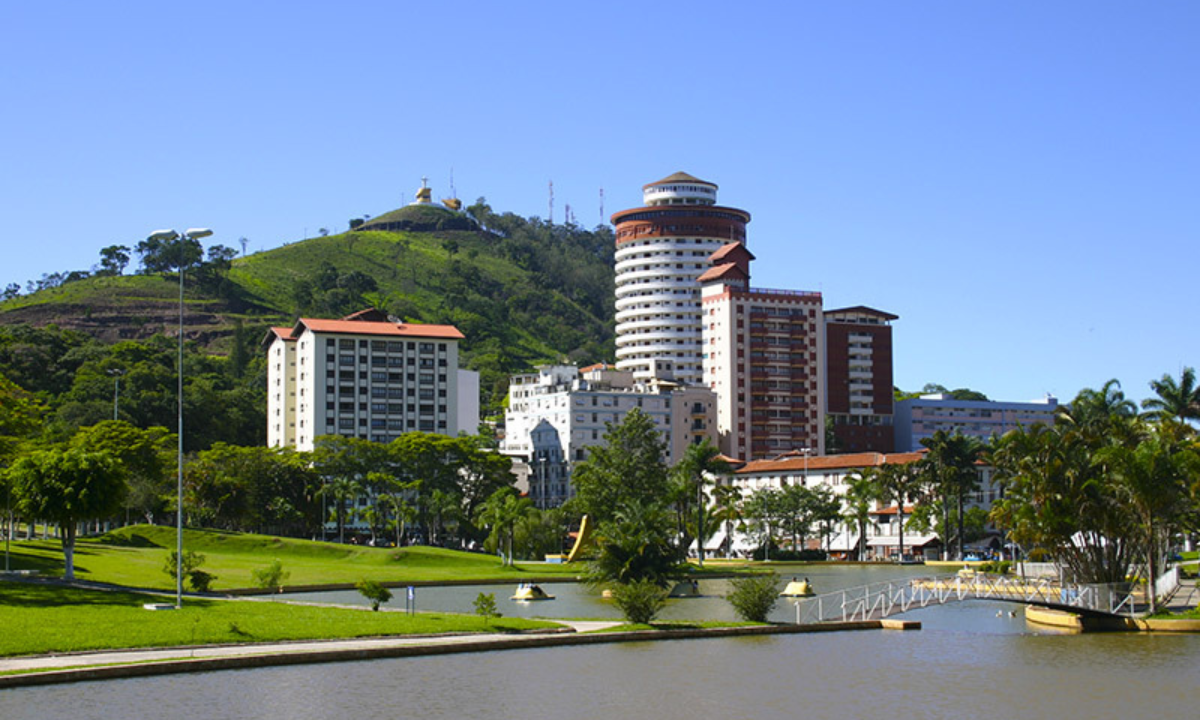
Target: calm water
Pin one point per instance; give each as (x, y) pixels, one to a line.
(965, 663)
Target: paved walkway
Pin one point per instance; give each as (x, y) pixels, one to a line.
(120, 657)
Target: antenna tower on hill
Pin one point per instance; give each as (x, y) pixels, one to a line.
(453, 192)
(601, 206)
(551, 218)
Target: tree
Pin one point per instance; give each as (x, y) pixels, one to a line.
(500, 513)
(1058, 499)
(897, 483)
(766, 511)
(1093, 408)
(635, 545)
(1176, 400)
(949, 469)
(113, 260)
(147, 456)
(727, 501)
(860, 501)
(1152, 480)
(67, 487)
(699, 462)
(627, 469)
(160, 256)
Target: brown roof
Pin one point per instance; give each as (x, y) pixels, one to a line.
(597, 366)
(277, 333)
(729, 249)
(830, 462)
(363, 327)
(721, 272)
(679, 177)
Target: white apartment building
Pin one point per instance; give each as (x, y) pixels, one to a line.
(364, 376)
(554, 415)
(662, 248)
(919, 418)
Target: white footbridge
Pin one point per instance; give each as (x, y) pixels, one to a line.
(883, 599)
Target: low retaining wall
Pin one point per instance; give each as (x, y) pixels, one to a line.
(517, 642)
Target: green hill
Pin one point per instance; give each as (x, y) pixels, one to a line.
(522, 291)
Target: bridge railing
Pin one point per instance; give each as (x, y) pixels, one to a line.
(879, 600)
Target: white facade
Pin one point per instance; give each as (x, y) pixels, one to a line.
(661, 250)
(363, 378)
(919, 418)
(554, 415)
(835, 473)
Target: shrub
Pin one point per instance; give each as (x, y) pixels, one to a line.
(200, 581)
(373, 591)
(191, 561)
(998, 567)
(271, 576)
(485, 607)
(640, 601)
(1038, 555)
(754, 596)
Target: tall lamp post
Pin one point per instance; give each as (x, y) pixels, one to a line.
(173, 236)
(116, 375)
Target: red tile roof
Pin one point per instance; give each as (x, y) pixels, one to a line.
(830, 462)
(361, 327)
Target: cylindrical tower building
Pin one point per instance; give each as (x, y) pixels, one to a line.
(661, 249)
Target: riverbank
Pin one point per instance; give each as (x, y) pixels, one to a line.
(80, 667)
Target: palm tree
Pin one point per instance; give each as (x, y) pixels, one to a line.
(949, 467)
(1153, 479)
(1176, 400)
(727, 502)
(340, 490)
(1092, 408)
(501, 512)
(443, 508)
(699, 462)
(860, 500)
(897, 483)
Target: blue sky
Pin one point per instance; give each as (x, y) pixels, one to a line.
(1017, 180)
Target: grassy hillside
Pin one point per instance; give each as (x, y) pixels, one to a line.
(522, 292)
(134, 557)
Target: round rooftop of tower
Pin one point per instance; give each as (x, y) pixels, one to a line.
(680, 189)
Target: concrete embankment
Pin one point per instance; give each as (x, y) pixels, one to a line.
(138, 663)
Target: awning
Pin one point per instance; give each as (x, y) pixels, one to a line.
(894, 540)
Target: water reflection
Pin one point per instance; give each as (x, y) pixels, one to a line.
(965, 663)
(970, 660)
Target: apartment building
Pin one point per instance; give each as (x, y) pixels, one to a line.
(858, 378)
(763, 357)
(919, 418)
(557, 413)
(662, 248)
(365, 376)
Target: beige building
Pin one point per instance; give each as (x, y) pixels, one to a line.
(364, 376)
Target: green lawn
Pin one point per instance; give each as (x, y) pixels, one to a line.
(38, 619)
(134, 557)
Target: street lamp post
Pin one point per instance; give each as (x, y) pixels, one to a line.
(168, 236)
(116, 374)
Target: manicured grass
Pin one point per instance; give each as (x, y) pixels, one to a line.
(134, 557)
(39, 619)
